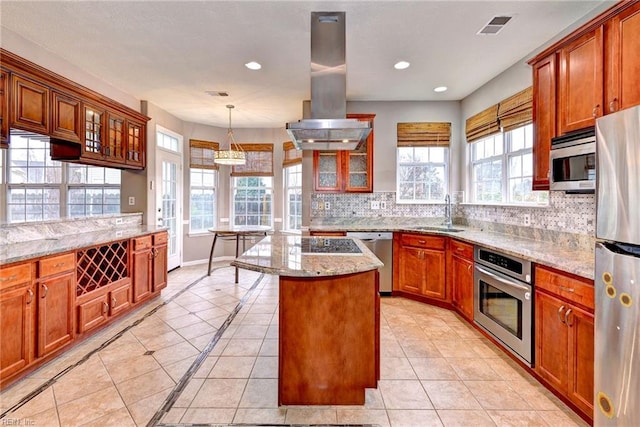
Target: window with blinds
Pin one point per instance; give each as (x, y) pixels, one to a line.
(202, 154)
(259, 161)
(291, 156)
(203, 183)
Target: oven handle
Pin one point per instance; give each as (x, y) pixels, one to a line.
(501, 280)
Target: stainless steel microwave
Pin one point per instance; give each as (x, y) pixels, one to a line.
(572, 162)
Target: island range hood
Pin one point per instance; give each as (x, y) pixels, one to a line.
(328, 128)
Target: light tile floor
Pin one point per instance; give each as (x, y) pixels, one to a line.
(170, 363)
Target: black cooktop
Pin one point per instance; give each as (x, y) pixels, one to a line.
(320, 245)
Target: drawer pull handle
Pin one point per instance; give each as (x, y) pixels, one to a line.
(612, 105)
(469, 268)
(566, 318)
(30, 292)
(9, 279)
(560, 314)
(105, 308)
(564, 288)
(46, 291)
(422, 242)
(595, 110)
(60, 264)
(113, 302)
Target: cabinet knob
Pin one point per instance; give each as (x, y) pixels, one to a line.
(560, 314)
(469, 268)
(566, 318)
(612, 105)
(46, 291)
(595, 110)
(30, 292)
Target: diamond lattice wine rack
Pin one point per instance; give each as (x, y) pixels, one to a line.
(101, 265)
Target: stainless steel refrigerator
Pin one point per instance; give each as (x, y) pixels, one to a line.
(617, 274)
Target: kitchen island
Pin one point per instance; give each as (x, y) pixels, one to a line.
(329, 324)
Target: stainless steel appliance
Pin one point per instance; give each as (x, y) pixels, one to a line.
(573, 162)
(617, 274)
(381, 244)
(503, 300)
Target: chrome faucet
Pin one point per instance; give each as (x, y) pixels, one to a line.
(447, 211)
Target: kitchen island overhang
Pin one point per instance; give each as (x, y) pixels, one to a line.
(329, 317)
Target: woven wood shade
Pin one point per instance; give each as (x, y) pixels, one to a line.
(201, 154)
(259, 161)
(517, 110)
(424, 134)
(483, 124)
(291, 155)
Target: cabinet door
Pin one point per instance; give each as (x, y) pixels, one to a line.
(141, 274)
(93, 313)
(120, 299)
(4, 109)
(581, 82)
(30, 106)
(66, 116)
(581, 358)
(55, 313)
(115, 146)
(544, 118)
(159, 262)
(622, 64)
(93, 131)
(359, 164)
(15, 328)
(412, 273)
(135, 145)
(551, 340)
(327, 166)
(462, 283)
(433, 270)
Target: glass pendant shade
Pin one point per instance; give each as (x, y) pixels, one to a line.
(233, 153)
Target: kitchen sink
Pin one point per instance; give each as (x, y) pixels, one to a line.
(441, 228)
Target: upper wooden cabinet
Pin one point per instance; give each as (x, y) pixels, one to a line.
(544, 116)
(84, 126)
(581, 82)
(345, 171)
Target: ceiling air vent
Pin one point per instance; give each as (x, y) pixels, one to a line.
(494, 26)
(217, 92)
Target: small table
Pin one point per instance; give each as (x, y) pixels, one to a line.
(229, 232)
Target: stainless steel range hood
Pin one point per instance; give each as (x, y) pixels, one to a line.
(328, 128)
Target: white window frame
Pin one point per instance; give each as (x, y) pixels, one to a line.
(234, 188)
(192, 187)
(90, 186)
(288, 189)
(444, 165)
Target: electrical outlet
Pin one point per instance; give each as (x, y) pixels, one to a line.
(327, 206)
(383, 205)
(132, 200)
(375, 204)
(527, 220)
(119, 221)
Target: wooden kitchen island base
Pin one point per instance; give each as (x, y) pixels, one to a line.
(329, 339)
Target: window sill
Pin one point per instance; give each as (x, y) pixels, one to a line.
(507, 205)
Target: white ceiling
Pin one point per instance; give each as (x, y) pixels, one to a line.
(171, 52)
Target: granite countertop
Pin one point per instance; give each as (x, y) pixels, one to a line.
(575, 261)
(15, 252)
(283, 255)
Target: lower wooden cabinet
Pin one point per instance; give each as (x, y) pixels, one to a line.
(159, 251)
(462, 277)
(97, 308)
(419, 266)
(564, 335)
(55, 312)
(149, 265)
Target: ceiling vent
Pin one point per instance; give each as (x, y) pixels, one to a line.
(217, 92)
(494, 26)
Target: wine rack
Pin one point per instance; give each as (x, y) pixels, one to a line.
(102, 265)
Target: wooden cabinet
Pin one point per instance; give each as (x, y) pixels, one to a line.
(114, 148)
(56, 301)
(93, 118)
(564, 335)
(544, 117)
(622, 62)
(109, 302)
(462, 277)
(17, 300)
(142, 268)
(345, 171)
(159, 267)
(581, 82)
(31, 106)
(135, 144)
(419, 266)
(66, 117)
(4, 108)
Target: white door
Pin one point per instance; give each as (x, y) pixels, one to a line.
(169, 200)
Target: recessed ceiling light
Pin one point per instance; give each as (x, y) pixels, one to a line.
(440, 89)
(253, 65)
(401, 65)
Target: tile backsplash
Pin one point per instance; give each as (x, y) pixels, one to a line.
(568, 219)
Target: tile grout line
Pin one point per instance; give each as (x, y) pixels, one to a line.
(105, 344)
(182, 383)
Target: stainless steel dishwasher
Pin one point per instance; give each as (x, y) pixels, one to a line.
(381, 244)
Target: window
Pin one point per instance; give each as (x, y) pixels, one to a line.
(203, 181)
(502, 168)
(40, 189)
(293, 197)
(423, 162)
(167, 142)
(252, 200)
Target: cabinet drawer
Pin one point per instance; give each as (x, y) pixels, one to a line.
(15, 275)
(56, 264)
(160, 238)
(463, 250)
(140, 243)
(423, 241)
(571, 288)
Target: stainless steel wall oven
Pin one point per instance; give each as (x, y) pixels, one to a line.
(503, 300)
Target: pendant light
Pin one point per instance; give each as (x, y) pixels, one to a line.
(233, 154)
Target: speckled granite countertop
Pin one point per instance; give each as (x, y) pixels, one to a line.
(575, 261)
(15, 252)
(282, 255)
